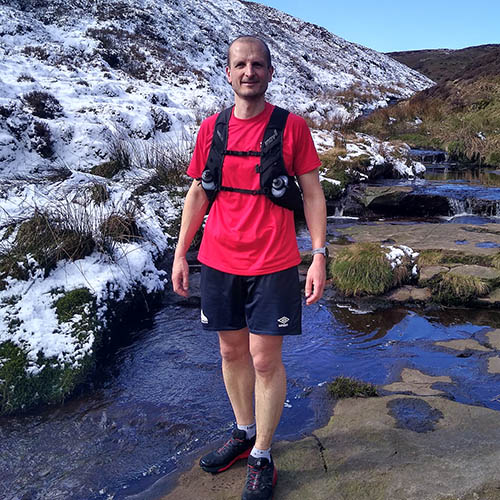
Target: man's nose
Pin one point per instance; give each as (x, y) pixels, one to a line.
(249, 70)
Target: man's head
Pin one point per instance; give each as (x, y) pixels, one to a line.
(250, 39)
(249, 68)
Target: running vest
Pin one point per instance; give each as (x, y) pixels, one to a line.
(275, 183)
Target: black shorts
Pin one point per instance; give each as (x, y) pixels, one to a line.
(269, 304)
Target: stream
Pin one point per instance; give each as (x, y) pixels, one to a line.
(161, 400)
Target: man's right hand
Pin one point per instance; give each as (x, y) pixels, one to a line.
(180, 276)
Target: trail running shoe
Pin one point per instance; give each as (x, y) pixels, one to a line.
(261, 479)
(236, 448)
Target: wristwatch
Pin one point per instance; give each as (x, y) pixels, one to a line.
(322, 250)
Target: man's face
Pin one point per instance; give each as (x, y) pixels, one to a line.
(248, 72)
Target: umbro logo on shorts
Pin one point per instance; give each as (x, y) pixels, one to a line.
(204, 319)
(283, 321)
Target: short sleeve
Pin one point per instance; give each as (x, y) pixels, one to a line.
(298, 146)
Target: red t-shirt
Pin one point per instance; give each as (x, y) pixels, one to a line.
(248, 234)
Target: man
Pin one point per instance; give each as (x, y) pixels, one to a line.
(249, 255)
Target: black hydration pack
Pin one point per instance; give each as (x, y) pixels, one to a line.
(275, 183)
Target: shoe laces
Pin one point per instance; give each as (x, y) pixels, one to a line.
(254, 474)
(230, 442)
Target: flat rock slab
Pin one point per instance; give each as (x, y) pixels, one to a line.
(463, 345)
(494, 365)
(418, 383)
(394, 447)
(494, 339)
(428, 272)
(429, 236)
(481, 272)
(409, 293)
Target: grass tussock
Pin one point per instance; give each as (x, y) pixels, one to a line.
(41, 241)
(455, 290)
(347, 387)
(444, 257)
(362, 269)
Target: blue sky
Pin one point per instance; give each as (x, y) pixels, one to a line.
(389, 25)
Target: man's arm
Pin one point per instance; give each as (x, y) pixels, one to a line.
(195, 207)
(315, 213)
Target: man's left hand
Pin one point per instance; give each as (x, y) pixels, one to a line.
(315, 281)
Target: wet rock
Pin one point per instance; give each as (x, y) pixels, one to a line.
(494, 339)
(364, 454)
(414, 414)
(488, 274)
(494, 365)
(416, 382)
(410, 293)
(428, 236)
(463, 345)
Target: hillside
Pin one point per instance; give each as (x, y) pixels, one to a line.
(446, 64)
(143, 69)
(460, 114)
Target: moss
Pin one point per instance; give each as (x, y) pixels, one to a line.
(455, 290)
(73, 302)
(53, 380)
(331, 190)
(362, 268)
(346, 387)
(493, 159)
(20, 391)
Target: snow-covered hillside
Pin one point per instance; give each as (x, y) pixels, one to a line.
(143, 68)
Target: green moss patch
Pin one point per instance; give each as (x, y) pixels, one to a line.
(346, 387)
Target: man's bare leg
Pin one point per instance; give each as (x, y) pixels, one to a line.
(270, 386)
(238, 373)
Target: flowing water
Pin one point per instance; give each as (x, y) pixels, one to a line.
(162, 400)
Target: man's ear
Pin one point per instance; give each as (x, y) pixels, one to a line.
(228, 74)
(271, 73)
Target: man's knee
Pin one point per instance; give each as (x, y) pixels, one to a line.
(233, 347)
(266, 363)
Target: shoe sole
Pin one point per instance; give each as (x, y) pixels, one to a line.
(216, 470)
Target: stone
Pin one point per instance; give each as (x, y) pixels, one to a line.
(428, 272)
(365, 453)
(410, 293)
(492, 299)
(463, 345)
(416, 382)
(428, 236)
(484, 273)
(494, 365)
(420, 294)
(494, 339)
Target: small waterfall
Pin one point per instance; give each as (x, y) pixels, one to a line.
(459, 207)
(474, 206)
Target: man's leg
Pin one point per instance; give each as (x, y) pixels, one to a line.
(238, 373)
(270, 385)
(239, 378)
